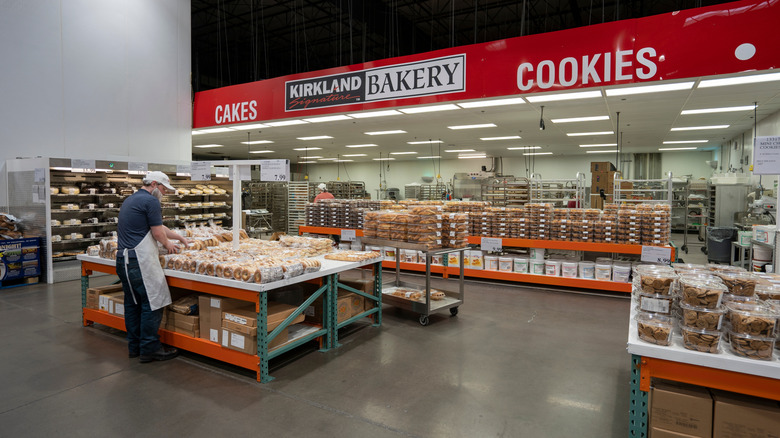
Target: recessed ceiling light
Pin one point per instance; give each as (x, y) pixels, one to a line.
(369, 145)
(246, 127)
(366, 115)
(257, 142)
(685, 141)
(522, 148)
(468, 157)
(212, 130)
(383, 159)
(718, 110)
(424, 142)
(510, 137)
(315, 137)
(583, 134)
(698, 128)
(205, 146)
(649, 89)
(601, 152)
(396, 131)
(327, 119)
(261, 152)
(482, 125)
(740, 80)
(354, 155)
(460, 150)
(496, 102)
(597, 145)
(286, 123)
(430, 109)
(432, 156)
(403, 153)
(306, 149)
(538, 153)
(564, 96)
(580, 119)
(677, 149)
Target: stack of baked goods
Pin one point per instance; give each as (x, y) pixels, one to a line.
(9, 227)
(455, 229)
(656, 224)
(352, 256)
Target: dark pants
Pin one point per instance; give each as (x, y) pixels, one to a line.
(141, 321)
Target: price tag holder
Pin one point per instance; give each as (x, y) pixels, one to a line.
(656, 254)
(200, 171)
(348, 235)
(83, 166)
(494, 244)
(275, 170)
(183, 170)
(137, 168)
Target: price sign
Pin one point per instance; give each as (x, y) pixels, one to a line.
(275, 170)
(766, 156)
(85, 166)
(348, 235)
(222, 171)
(183, 170)
(200, 171)
(40, 175)
(657, 254)
(493, 244)
(137, 168)
(244, 172)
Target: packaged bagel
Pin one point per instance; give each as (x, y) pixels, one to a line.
(702, 293)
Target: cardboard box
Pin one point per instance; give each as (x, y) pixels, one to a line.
(741, 416)
(106, 303)
(364, 285)
(241, 316)
(248, 344)
(663, 433)
(602, 180)
(190, 323)
(117, 304)
(238, 328)
(210, 310)
(343, 311)
(355, 302)
(247, 317)
(93, 294)
(602, 166)
(677, 407)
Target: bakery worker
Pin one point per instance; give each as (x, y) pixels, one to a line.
(324, 193)
(140, 228)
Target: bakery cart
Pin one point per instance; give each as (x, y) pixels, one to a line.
(696, 200)
(425, 305)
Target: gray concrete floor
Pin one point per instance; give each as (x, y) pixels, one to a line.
(516, 362)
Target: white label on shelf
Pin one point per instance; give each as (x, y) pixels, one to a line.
(275, 170)
(40, 174)
(348, 235)
(119, 309)
(214, 335)
(85, 166)
(237, 340)
(183, 170)
(654, 305)
(216, 303)
(656, 254)
(137, 168)
(491, 244)
(200, 171)
(766, 156)
(235, 318)
(225, 338)
(221, 171)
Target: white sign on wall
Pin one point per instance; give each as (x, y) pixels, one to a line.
(200, 171)
(766, 156)
(275, 170)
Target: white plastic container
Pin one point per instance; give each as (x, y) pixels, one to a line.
(409, 255)
(587, 270)
(389, 253)
(552, 268)
(505, 264)
(621, 272)
(453, 259)
(536, 266)
(477, 260)
(437, 260)
(569, 269)
(536, 253)
(764, 233)
(520, 265)
(762, 253)
(491, 263)
(603, 272)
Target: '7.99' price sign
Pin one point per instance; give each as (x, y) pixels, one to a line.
(657, 254)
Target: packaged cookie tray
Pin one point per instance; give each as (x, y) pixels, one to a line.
(752, 318)
(751, 347)
(654, 328)
(739, 283)
(701, 317)
(699, 339)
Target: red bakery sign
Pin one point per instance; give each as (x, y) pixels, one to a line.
(727, 38)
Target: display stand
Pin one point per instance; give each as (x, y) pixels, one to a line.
(327, 333)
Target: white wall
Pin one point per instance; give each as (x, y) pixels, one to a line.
(95, 79)
(730, 152)
(687, 163)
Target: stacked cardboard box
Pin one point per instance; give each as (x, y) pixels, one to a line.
(239, 326)
(113, 303)
(93, 294)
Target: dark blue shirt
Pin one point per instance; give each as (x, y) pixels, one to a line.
(138, 214)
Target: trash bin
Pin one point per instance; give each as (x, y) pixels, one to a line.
(719, 243)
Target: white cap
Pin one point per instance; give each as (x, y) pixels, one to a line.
(322, 186)
(159, 177)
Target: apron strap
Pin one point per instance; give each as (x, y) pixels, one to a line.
(127, 275)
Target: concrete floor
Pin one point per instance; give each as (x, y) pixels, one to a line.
(516, 362)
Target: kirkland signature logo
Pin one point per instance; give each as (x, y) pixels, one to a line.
(422, 78)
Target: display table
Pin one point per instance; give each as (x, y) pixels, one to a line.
(724, 371)
(327, 333)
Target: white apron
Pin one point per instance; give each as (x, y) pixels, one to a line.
(151, 272)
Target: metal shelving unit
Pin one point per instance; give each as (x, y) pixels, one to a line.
(696, 213)
(507, 192)
(643, 191)
(347, 189)
(558, 191)
(297, 198)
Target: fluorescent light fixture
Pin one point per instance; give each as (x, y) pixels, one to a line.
(538, 153)
(424, 142)
(328, 159)
(370, 114)
(286, 123)
(726, 109)
(564, 96)
(257, 142)
(354, 155)
(597, 145)
(699, 128)
(315, 137)
(685, 141)
(396, 131)
(602, 152)
(460, 150)
(496, 102)
(430, 109)
(649, 89)
(583, 134)
(384, 159)
(580, 119)
(307, 162)
(306, 149)
(344, 161)
(432, 156)
(197, 132)
(468, 157)
(740, 80)
(261, 152)
(522, 148)
(206, 146)
(403, 153)
(212, 130)
(247, 127)
(67, 169)
(510, 137)
(328, 119)
(482, 125)
(369, 145)
(677, 149)
(311, 157)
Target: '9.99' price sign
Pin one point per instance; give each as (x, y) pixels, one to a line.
(657, 254)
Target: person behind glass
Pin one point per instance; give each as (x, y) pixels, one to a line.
(324, 193)
(139, 230)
